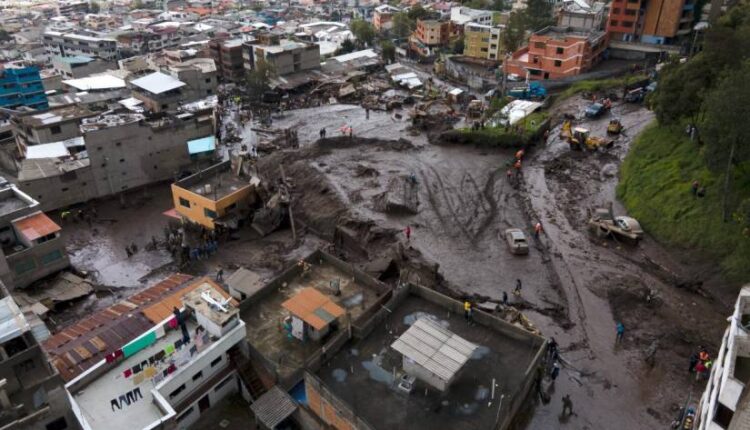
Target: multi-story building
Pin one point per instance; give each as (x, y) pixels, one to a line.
(581, 15)
(382, 17)
(80, 66)
(158, 91)
(429, 36)
(71, 44)
(482, 41)
(650, 21)
(725, 403)
(72, 8)
(21, 86)
(183, 363)
(556, 52)
(52, 126)
(228, 57)
(285, 56)
(100, 22)
(31, 245)
(199, 75)
(212, 194)
(32, 395)
(461, 16)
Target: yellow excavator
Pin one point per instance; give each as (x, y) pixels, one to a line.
(614, 127)
(579, 138)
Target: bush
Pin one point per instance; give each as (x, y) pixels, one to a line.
(596, 85)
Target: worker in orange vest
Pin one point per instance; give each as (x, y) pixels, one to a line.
(537, 229)
(519, 154)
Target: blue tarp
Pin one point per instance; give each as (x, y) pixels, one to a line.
(199, 146)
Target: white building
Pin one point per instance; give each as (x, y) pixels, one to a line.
(159, 381)
(464, 15)
(726, 404)
(62, 44)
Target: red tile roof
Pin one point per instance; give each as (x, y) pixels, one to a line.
(36, 225)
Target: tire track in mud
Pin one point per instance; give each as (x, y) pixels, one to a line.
(461, 225)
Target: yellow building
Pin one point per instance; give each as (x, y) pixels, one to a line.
(482, 41)
(214, 195)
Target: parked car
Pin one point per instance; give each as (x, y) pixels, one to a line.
(594, 110)
(516, 241)
(630, 225)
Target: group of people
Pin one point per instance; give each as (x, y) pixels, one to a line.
(80, 215)
(697, 189)
(700, 363)
(515, 171)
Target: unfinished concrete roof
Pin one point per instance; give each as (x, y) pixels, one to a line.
(245, 281)
(435, 348)
(314, 308)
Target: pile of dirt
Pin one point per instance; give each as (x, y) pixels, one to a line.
(401, 196)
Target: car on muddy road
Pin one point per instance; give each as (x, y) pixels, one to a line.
(516, 240)
(629, 224)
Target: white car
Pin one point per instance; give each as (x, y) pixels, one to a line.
(629, 224)
(516, 241)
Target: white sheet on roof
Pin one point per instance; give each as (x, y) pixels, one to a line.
(92, 83)
(47, 150)
(157, 83)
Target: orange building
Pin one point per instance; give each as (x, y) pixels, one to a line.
(429, 35)
(382, 17)
(650, 21)
(557, 52)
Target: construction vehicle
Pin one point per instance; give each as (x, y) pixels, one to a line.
(580, 139)
(475, 109)
(597, 109)
(614, 127)
(533, 91)
(603, 223)
(635, 96)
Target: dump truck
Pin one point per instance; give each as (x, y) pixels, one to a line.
(534, 91)
(580, 138)
(603, 223)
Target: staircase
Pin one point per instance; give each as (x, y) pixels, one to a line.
(247, 373)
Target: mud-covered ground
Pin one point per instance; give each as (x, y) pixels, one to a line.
(575, 287)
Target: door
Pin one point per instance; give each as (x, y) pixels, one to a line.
(204, 403)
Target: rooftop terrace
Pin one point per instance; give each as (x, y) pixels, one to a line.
(265, 314)
(370, 368)
(214, 183)
(12, 200)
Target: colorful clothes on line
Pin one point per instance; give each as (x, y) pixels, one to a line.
(127, 373)
(169, 350)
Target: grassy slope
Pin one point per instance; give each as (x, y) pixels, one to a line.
(595, 85)
(655, 184)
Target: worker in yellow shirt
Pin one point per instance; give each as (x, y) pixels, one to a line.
(467, 310)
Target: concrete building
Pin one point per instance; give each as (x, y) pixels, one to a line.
(382, 17)
(286, 56)
(53, 125)
(228, 57)
(199, 75)
(31, 245)
(461, 16)
(556, 52)
(163, 375)
(650, 21)
(72, 8)
(429, 36)
(79, 66)
(483, 41)
(581, 15)
(71, 44)
(32, 396)
(158, 91)
(21, 86)
(213, 195)
(725, 403)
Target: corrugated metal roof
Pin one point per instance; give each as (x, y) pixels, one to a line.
(83, 344)
(159, 311)
(12, 321)
(435, 348)
(313, 307)
(273, 407)
(157, 83)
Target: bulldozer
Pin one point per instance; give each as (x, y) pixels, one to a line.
(614, 127)
(580, 139)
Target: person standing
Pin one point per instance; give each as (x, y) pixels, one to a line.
(555, 371)
(220, 274)
(537, 229)
(517, 290)
(620, 332)
(567, 405)
(693, 362)
(467, 310)
(505, 298)
(407, 232)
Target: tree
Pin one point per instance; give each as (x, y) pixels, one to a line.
(94, 7)
(363, 31)
(681, 90)
(418, 12)
(538, 14)
(137, 4)
(403, 25)
(725, 130)
(336, 15)
(346, 47)
(388, 51)
(514, 33)
(457, 46)
(257, 80)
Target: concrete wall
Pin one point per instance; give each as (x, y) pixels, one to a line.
(63, 190)
(329, 408)
(37, 255)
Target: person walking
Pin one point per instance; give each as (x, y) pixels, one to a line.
(407, 232)
(323, 133)
(694, 187)
(517, 290)
(620, 332)
(567, 405)
(700, 369)
(220, 274)
(552, 347)
(555, 370)
(693, 362)
(367, 113)
(467, 310)
(537, 229)
(505, 298)
(509, 175)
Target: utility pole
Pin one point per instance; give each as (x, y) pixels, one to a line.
(289, 204)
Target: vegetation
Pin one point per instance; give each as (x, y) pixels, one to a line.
(259, 78)
(538, 14)
(707, 94)
(655, 186)
(595, 85)
(346, 47)
(388, 51)
(94, 7)
(403, 25)
(515, 32)
(363, 31)
(507, 137)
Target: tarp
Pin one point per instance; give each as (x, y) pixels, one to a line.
(199, 146)
(137, 345)
(519, 109)
(47, 150)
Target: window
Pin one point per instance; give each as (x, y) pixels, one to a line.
(558, 63)
(197, 376)
(184, 202)
(55, 129)
(216, 361)
(616, 11)
(614, 23)
(122, 160)
(24, 366)
(64, 189)
(539, 45)
(58, 424)
(51, 257)
(630, 12)
(177, 392)
(208, 80)
(560, 51)
(24, 266)
(627, 24)
(209, 213)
